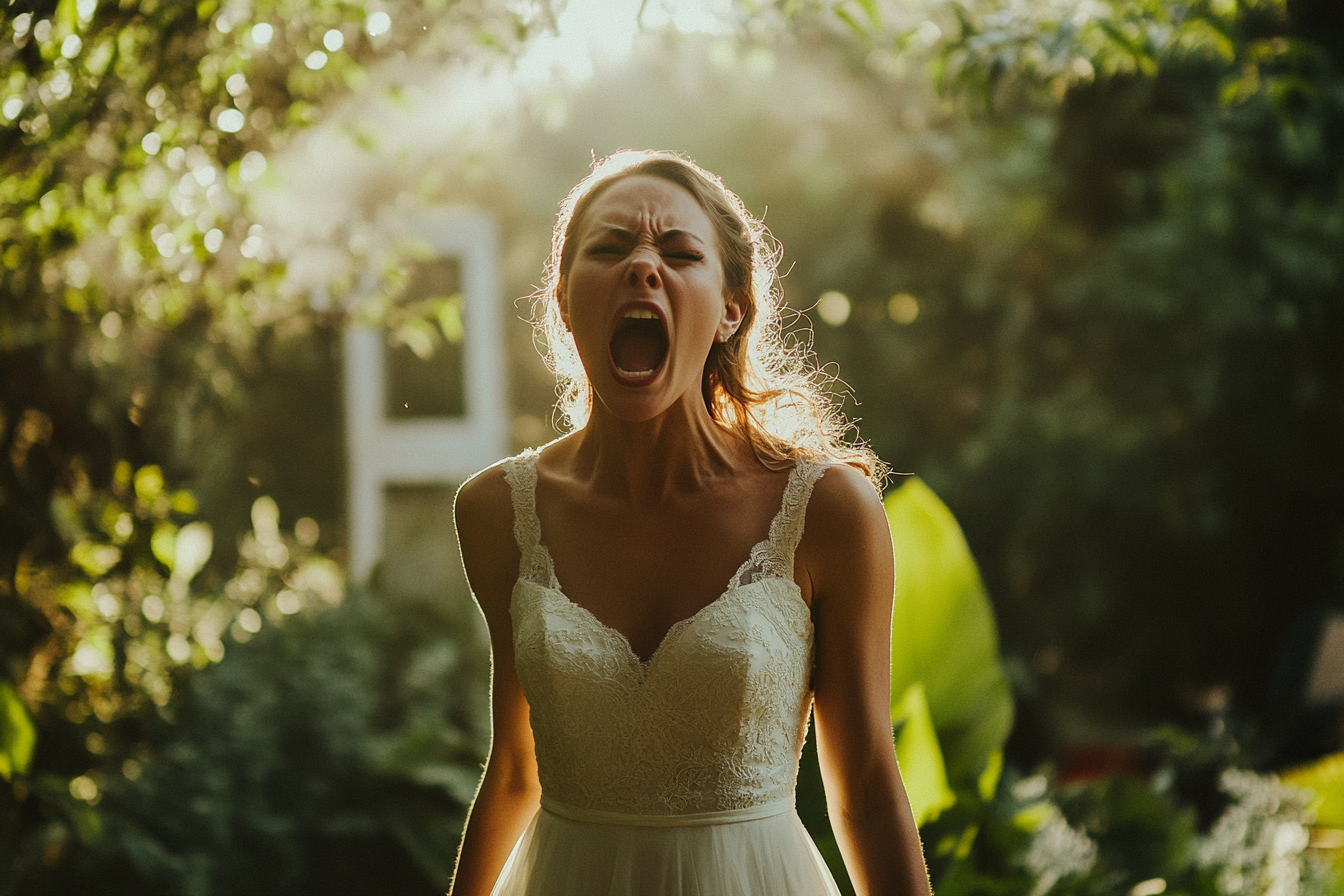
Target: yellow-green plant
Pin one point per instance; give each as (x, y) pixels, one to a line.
(944, 657)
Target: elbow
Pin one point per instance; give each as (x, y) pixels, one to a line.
(511, 777)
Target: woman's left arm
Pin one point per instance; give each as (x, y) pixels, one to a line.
(846, 569)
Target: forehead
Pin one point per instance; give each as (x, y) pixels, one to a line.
(647, 204)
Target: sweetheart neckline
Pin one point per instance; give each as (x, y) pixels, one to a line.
(797, 488)
(645, 665)
(757, 550)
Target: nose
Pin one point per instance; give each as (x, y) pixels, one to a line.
(643, 270)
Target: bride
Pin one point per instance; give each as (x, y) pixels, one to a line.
(671, 588)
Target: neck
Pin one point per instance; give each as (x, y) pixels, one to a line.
(682, 450)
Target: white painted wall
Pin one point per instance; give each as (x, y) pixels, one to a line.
(383, 451)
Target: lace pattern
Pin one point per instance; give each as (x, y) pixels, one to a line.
(713, 721)
(535, 565)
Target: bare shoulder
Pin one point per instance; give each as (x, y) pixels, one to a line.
(846, 536)
(483, 512)
(844, 500)
(484, 498)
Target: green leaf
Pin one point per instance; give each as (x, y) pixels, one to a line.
(449, 317)
(418, 335)
(148, 483)
(922, 769)
(943, 634)
(1324, 778)
(854, 25)
(67, 16)
(18, 737)
(163, 544)
(95, 559)
(988, 782)
(869, 8)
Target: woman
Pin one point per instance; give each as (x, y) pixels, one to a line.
(647, 722)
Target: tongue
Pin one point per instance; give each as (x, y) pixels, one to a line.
(638, 345)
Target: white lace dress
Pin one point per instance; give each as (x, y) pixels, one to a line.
(675, 776)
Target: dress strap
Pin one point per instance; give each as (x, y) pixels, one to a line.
(520, 472)
(786, 530)
(773, 558)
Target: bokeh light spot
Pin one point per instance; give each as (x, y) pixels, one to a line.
(252, 166)
(903, 308)
(110, 325)
(378, 23)
(231, 121)
(84, 788)
(306, 531)
(833, 307)
(249, 620)
(179, 648)
(288, 602)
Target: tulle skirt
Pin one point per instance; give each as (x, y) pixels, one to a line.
(567, 852)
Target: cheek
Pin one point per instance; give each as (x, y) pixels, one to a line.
(584, 324)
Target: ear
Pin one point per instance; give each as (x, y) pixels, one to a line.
(733, 310)
(562, 297)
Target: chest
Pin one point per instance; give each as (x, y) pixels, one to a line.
(642, 570)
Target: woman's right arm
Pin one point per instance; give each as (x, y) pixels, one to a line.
(509, 794)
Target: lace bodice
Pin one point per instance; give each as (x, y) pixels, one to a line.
(713, 721)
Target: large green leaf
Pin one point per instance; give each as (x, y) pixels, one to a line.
(922, 768)
(943, 634)
(17, 735)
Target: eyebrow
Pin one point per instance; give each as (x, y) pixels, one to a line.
(666, 236)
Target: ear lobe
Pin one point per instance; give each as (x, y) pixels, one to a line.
(733, 312)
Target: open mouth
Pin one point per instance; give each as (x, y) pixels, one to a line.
(638, 347)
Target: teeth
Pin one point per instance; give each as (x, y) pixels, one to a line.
(636, 374)
(641, 315)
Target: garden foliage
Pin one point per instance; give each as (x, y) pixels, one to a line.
(1095, 301)
(140, 323)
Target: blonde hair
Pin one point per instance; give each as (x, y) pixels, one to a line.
(766, 390)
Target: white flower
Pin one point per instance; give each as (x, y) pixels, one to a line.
(1258, 845)
(1058, 851)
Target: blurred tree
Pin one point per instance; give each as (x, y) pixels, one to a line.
(1109, 321)
(140, 293)
(141, 326)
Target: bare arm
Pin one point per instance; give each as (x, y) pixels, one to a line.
(846, 566)
(509, 794)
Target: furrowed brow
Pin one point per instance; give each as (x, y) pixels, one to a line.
(602, 231)
(669, 236)
(616, 231)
